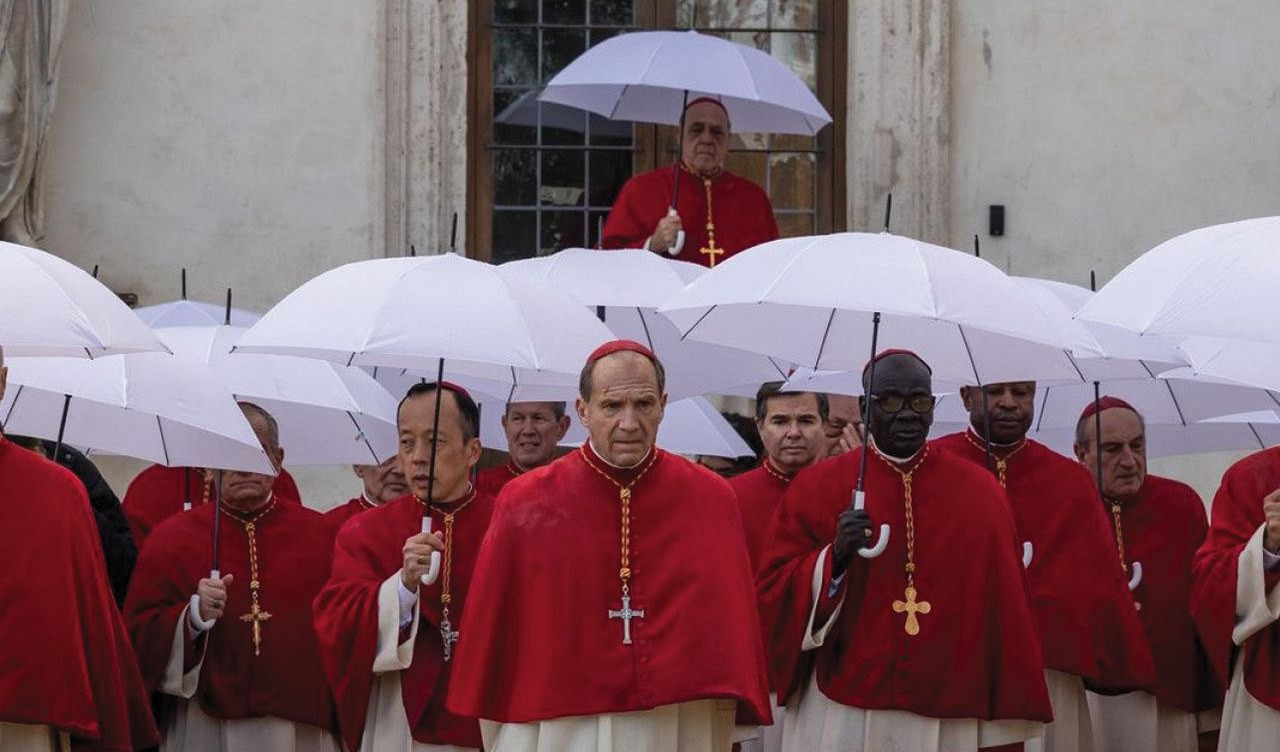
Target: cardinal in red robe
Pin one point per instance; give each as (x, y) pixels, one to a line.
(720, 213)
(1086, 617)
(791, 427)
(238, 666)
(1158, 523)
(157, 493)
(387, 638)
(1236, 603)
(533, 431)
(69, 674)
(613, 600)
(382, 483)
(924, 643)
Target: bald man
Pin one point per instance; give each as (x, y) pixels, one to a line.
(720, 213)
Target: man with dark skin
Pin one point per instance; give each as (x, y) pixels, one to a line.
(967, 673)
(1087, 619)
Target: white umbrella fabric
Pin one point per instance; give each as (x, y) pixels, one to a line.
(49, 307)
(153, 406)
(648, 77)
(193, 313)
(412, 313)
(814, 300)
(1216, 281)
(328, 414)
(625, 288)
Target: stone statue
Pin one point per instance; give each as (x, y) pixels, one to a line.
(30, 47)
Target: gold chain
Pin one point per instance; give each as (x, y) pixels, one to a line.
(256, 614)
(909, 512)
(1115, 516)
(1002, 463)
(446, 575)
(770, 469)
(624, 496)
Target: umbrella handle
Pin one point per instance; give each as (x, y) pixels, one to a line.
(204, 624)
(1027, 552)
(1136, 579)
(871, 552)
(677, 246)
(433, 571)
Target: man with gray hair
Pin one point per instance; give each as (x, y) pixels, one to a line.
(534, 431)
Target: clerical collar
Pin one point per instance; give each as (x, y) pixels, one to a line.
(773, 470)
(996, 448)
(514, 468)
(623, 475)
(719, 171)
(365, 502)
(251, 515)
(447, 506)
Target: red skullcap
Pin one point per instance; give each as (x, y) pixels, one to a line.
(712, 100)
(895, 351)
(1106, 403)
(620, 345)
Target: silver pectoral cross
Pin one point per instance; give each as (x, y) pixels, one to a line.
(448, 636)
(626, 614)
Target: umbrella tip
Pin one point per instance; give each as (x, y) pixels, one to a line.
(888, 210)
(95, 271)
(977, 246)
(453, 234)
(413, 250)
(227, 320)
(1093, 280)
(184, 283)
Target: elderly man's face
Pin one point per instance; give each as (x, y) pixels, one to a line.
(706, 138)
(383, 482)
(624, 409)
(533, 430)
(246, 491)
(1124, 452)
(844, 411)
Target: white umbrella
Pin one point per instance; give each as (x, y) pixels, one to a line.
(412, 313)
(328, 414)
(49, 307)
(1217, 281)
(192, 313)
(813, 300)
(689, 426)
(625, 288)
(648, 77)
(153, 406)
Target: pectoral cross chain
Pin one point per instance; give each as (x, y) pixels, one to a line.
(256, 616)
(626, 614)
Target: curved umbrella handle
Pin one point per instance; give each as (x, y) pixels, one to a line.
(204, 624)
(1136, 578)
(677, 246)
(433, 571)
(871, 552)
(1027, 552)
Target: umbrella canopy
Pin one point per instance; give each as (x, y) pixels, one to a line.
(192, 313)
(410, 313)
(49, 307)
(813, 300)
(648, 76)
(153, 406)
(1217, 281)
(328, 414)
(629, 286)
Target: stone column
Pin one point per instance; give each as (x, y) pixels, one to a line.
(426, 124)
(898, 116)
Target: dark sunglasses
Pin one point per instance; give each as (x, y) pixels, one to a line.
(894, 403)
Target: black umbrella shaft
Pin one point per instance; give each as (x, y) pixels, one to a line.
(866, 401)
(62, 427)
(1097, 437)
(435, 439)
(675, 171)
(217, 522)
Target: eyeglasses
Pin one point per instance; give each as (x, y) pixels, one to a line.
(895, 403)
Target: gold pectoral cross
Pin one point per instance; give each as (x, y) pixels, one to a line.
(256, 616)
(912, 607)
(711, 252)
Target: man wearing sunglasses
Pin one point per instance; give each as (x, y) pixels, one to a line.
(1088, 623)
(929, 644)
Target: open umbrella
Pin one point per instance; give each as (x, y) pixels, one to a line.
(49, 307)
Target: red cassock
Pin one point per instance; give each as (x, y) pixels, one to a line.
(493, 480)
(339, 515)
(740, 210)
(1236, 516)
(367, 552)
(759, 492)
(156, 495)
(1162, 528)
(1088, 624)
(539, 643)
(65, 658)
(976, 654)
(295, 547)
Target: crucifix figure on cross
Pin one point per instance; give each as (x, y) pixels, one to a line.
(626, 614)
(448, 637)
